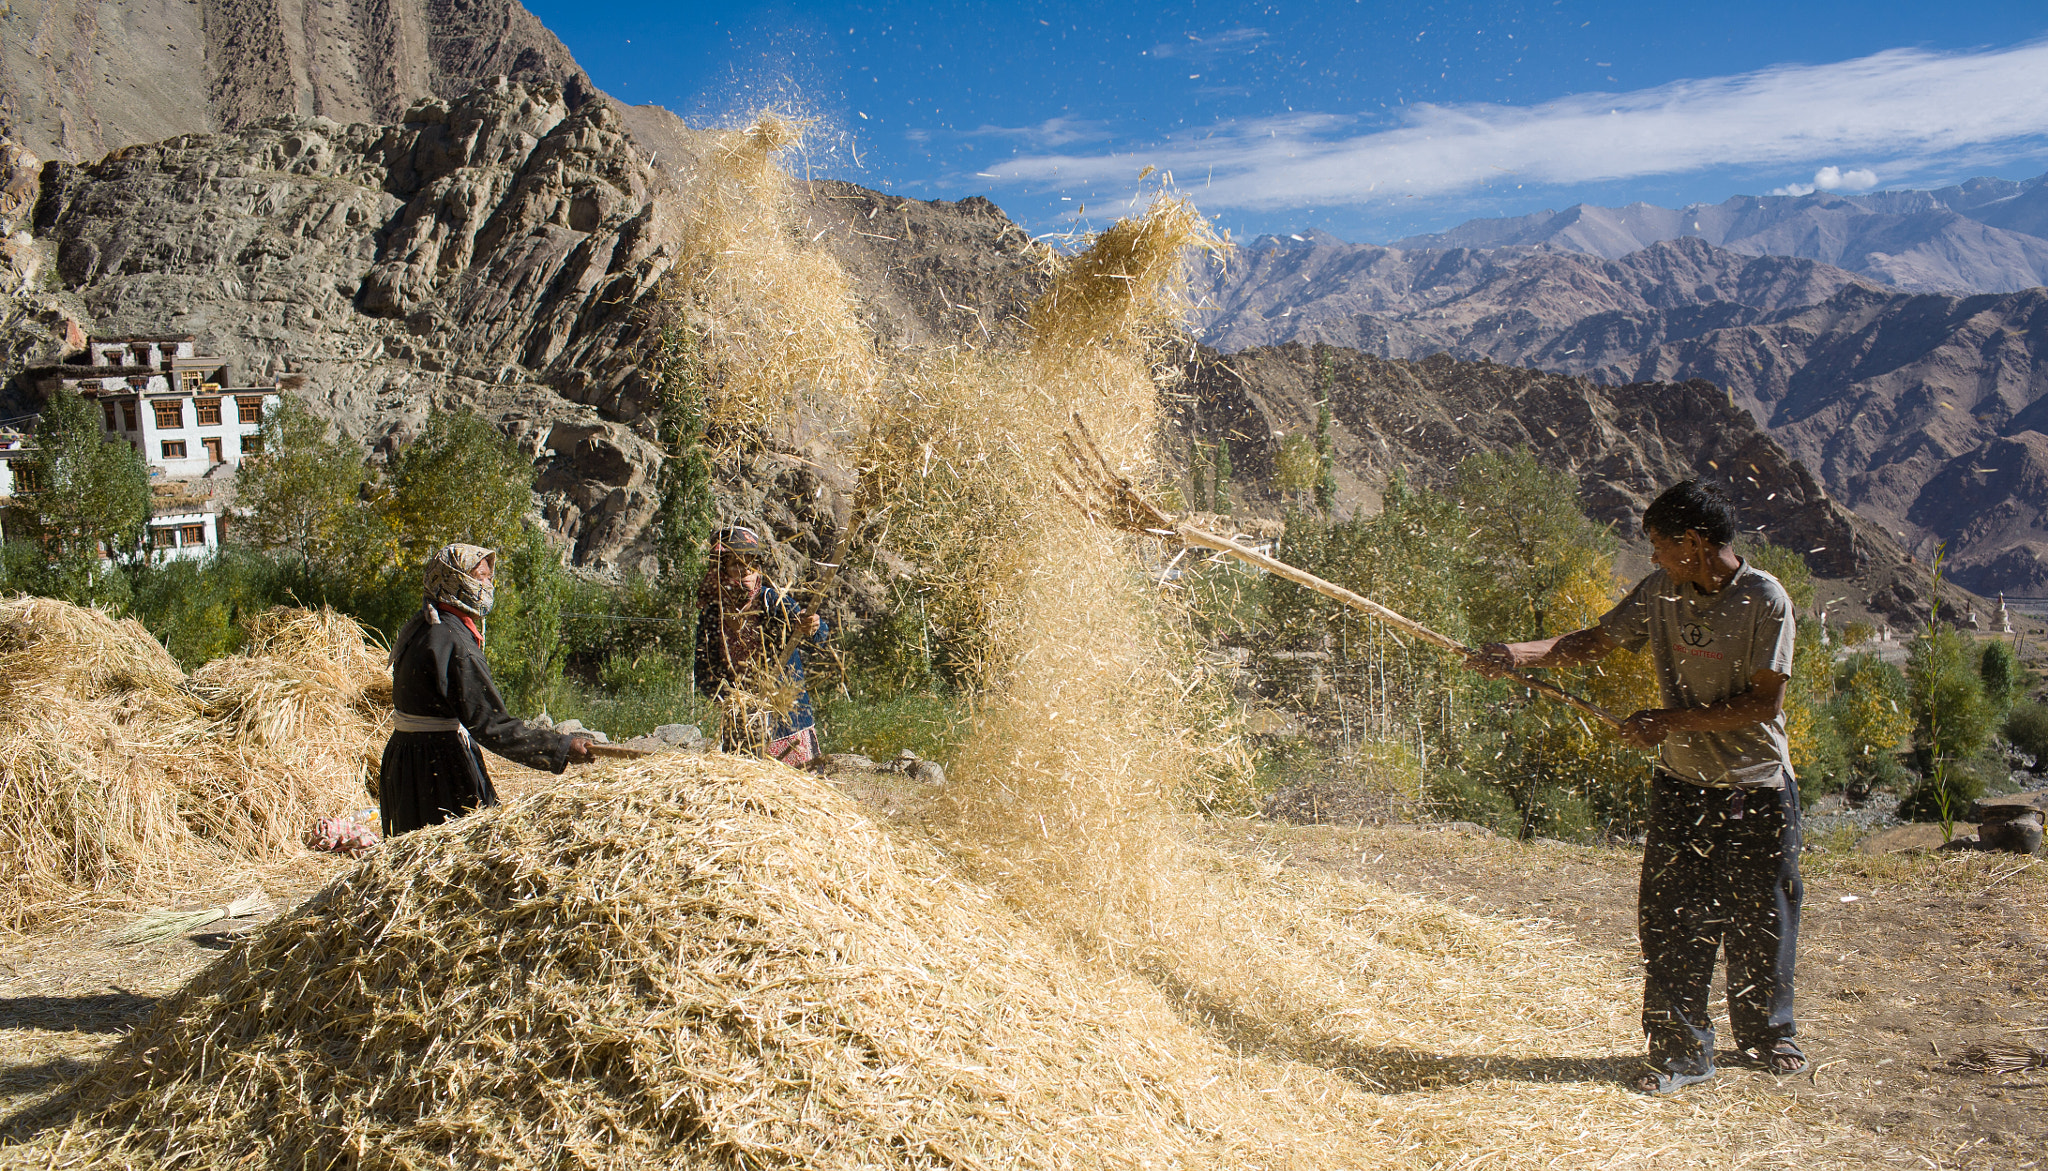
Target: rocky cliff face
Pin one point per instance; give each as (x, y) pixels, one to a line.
(501, 253)
(496, 253)
(79, 78)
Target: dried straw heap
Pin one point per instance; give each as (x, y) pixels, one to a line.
(121, 777)
(679, 963)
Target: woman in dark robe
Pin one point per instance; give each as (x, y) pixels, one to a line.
(742, 625)
(447, 705)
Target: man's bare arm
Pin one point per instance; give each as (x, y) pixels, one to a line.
(1566, 650)
(1764, 700)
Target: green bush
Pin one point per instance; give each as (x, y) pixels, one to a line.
(631, 695)
(1952, 716)
(2004, 679)
(2027, 727)
(1563, 815)
(197, 608)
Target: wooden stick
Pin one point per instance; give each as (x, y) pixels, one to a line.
(1106, 497)
(617, 751)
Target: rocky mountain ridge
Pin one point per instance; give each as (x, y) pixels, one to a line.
(1891, 398)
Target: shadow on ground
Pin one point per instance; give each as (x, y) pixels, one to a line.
(1390, 1069)
(105, 1012)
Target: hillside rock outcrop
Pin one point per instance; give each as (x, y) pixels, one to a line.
(79, 78)
(497, 253)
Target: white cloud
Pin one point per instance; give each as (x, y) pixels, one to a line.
(1236, 40)
(1049, 134)
(1830, 179)
(1900, 109)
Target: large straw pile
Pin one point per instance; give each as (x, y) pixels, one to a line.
(120, 777)
(681, 963)
(699, 962)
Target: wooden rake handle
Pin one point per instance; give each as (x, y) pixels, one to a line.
(1102, 495)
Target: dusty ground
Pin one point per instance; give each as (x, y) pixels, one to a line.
(1905, 960)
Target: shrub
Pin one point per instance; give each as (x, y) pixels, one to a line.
(2004, 679)
(1459, 796)
(2027, 727)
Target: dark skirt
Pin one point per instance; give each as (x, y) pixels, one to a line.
(429, 777)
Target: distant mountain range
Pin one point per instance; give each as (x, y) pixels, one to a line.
(1983, 236)
(1917, 410)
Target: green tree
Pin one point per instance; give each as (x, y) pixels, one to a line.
(1297, 471)
(459, 481)
(1199, 496)
(82, 497)
(1529, 554)
(302, 495)
(683, 520)
(2003, 677)
(1872, 712)
(1222, 500)
(1952, 721)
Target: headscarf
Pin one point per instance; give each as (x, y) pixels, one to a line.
(450, 581)
(450, 587)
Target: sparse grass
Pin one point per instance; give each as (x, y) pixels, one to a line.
(633, 694)
(930, 724)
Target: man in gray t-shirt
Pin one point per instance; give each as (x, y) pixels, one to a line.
(1721, 861)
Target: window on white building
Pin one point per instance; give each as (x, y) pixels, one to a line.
(170, 416)
(252, 445)
(112, 422)
(250, 409)
(174, 449)
(209, 411)
(128, 415)
(192, 535)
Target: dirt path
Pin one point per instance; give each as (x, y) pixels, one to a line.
(1904, 961)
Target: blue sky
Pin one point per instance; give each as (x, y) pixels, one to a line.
(1369, 120)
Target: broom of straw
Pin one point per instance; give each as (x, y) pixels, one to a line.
(1104, 497)
(163, 924)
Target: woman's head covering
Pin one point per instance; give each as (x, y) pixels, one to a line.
(738, 539)
(450, 582)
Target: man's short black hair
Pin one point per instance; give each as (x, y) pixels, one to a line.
(1696, 507)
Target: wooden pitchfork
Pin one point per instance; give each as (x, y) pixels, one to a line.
(1092, 486)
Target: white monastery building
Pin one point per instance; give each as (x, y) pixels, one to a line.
(175, 407)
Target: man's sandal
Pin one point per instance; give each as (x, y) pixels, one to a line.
(1784, 1057)
(1660, 1082)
